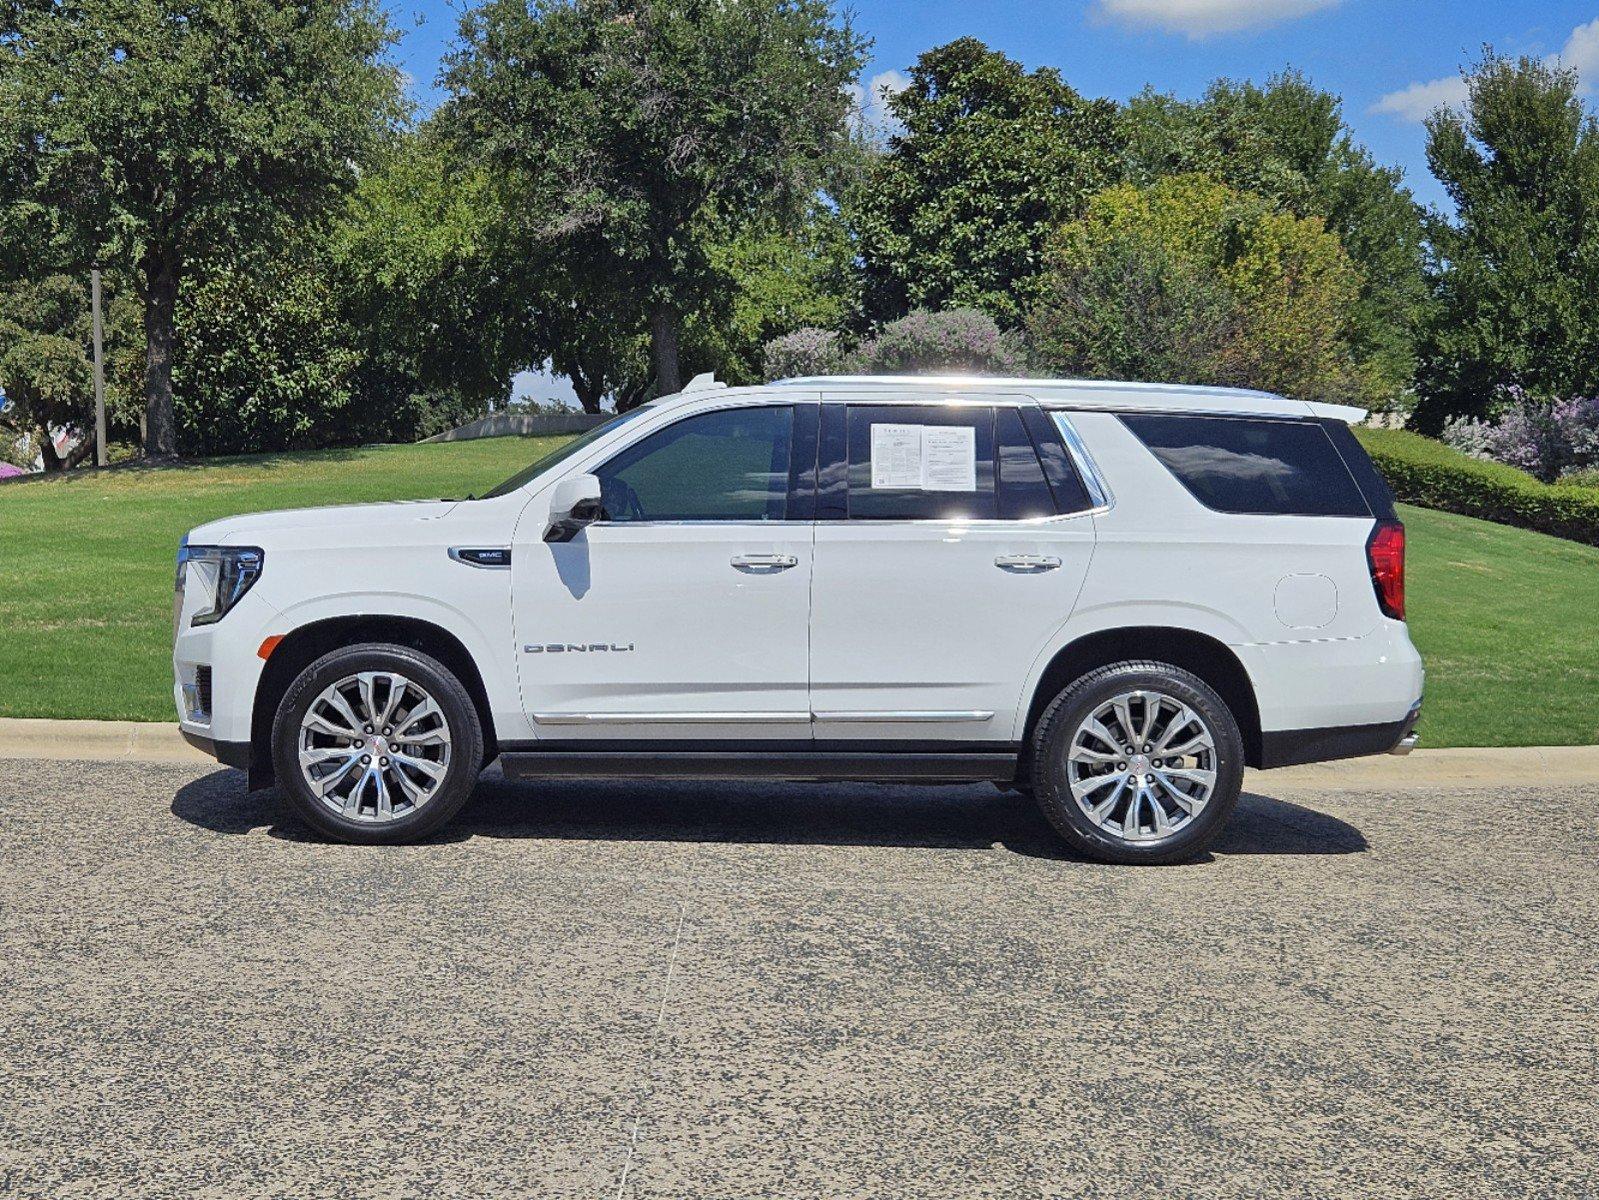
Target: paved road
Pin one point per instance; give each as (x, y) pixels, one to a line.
(708, 991)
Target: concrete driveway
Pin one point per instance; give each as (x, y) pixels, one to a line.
(693, 990)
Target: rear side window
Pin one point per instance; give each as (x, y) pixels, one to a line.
(1238, 465)
(914, 462)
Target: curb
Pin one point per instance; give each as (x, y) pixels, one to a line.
(154, 742)
(96, 741)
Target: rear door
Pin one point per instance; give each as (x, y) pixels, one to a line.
(948, 552)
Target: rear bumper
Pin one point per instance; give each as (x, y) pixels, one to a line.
(1293, 747)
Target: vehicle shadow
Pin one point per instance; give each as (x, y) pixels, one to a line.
(965, 817)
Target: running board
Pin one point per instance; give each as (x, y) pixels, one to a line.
(799, 766)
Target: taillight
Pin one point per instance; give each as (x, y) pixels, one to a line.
(1385, 553)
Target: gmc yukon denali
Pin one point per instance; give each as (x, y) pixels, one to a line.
(1110, 596)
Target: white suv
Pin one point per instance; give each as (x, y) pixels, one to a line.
(1114, 596)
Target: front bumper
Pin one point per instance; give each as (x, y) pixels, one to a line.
(229, 754)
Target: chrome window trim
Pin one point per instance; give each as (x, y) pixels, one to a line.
(1098, 490)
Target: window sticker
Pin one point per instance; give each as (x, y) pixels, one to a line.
(949, 458)
(896, 456)
(929, 458)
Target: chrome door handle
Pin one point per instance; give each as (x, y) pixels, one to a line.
(1027, 563)
(771, 563)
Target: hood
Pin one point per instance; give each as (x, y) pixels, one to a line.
(254, 527)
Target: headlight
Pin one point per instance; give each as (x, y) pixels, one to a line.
(222, 573)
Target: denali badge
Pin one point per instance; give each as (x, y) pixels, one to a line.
(575, 648)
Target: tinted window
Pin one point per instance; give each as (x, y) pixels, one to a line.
(720, 466)
(1023, 490)
(1248, 466)
(1379, 497)
(913, 503)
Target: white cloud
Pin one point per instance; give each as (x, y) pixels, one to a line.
(1200, 18)
(871, 99)
(1581, 53)
(1418, 101)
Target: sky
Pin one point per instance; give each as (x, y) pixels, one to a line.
(1392, 61)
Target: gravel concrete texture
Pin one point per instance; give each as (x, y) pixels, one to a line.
(714, 990)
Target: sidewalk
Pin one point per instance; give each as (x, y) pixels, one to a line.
(135, 741)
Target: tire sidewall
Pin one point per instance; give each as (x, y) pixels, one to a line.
(460, 715)
(1052, 741)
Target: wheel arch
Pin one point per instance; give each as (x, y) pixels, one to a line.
(309, 642)
(1205, 656)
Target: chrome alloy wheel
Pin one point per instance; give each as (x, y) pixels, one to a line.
(374, 746)
(1142, 766)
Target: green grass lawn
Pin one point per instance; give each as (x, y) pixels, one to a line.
(87, 560)
(1507, 620)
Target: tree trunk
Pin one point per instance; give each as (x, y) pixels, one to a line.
(48, 457)
(160, 316)
(663, 351)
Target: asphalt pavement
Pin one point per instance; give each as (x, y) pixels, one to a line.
(717, 990)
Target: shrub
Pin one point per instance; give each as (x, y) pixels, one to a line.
(959, 340)
(1427, 472)
(1542, 437)
(807, 351)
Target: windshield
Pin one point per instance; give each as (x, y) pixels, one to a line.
(561, 454)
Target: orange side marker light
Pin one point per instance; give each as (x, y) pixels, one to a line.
(268, 646)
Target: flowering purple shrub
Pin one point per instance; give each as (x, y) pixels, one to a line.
(807, 351)
(960, 340)
(1548, 439)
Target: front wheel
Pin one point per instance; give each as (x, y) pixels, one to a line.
(377, 743)
(1138, 762)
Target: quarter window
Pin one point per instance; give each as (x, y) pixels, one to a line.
(731, 465)
(1238, 465)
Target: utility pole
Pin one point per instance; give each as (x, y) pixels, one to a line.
(99, 372)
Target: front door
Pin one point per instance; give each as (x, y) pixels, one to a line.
(682, 614)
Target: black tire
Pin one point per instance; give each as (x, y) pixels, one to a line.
(459, 716)
(1058, 725)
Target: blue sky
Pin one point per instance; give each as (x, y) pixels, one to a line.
(1391, 60)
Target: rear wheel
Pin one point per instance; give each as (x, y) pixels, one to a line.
(377, 743)
(1138, 762)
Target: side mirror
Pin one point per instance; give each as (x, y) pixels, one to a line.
(574, 503)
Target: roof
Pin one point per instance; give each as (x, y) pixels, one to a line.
(1093, 393)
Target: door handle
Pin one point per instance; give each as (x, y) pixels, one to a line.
(1030, 564)
(764, 563)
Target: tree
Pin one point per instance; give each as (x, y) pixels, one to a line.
(1190, 281)
(1516, 270)
(989, 161)
(45, 366)
(625, 132)
(159, 131)
(1287, 141)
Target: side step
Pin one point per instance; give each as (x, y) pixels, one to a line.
(799, 766)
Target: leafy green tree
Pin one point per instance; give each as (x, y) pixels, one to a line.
(990, 159)
(626, 132)
(157, 132)
(437, 303)
(1516, 270)
(45, 366)
(779, 280)
(1190, 281)
(1287, 141)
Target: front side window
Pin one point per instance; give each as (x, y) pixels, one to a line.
(731, 465)
(1241, 465)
